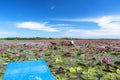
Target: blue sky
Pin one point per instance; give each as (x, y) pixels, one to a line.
(60, 18)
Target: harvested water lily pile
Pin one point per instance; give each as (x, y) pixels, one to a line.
(85, 60)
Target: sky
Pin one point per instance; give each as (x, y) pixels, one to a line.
(60, 18)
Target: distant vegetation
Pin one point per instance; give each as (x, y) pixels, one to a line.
(41, 38)
(35, 38)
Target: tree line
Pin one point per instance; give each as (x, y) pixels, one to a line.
(42, 38)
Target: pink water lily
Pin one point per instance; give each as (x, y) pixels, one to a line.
(101, 48)
(2, 50)
(19, 54)
(106, 59)
(70, 58)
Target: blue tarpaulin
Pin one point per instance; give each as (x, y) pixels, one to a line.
(28, 70)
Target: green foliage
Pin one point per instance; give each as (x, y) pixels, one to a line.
(86, 64)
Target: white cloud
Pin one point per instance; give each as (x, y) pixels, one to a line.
(61, 25)
(106, 22)
(109, 28)
(36, 26)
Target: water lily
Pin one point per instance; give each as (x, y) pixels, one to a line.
(70, 58)
(106, 59)
(2, 50)
(101, 48)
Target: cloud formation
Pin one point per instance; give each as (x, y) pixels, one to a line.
(36, 26)
(61, 25)
(109, 28)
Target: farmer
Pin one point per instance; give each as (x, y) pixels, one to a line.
(71, 42)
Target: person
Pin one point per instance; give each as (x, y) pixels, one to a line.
(71, 42)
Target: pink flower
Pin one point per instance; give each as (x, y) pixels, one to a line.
(70, 58)
(101, 48)
(2, 50)
(28, 45)
(106, 59)
(19, 53)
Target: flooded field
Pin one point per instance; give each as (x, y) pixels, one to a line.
(84, 60)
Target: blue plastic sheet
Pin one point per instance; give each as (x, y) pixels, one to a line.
(28, 70)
